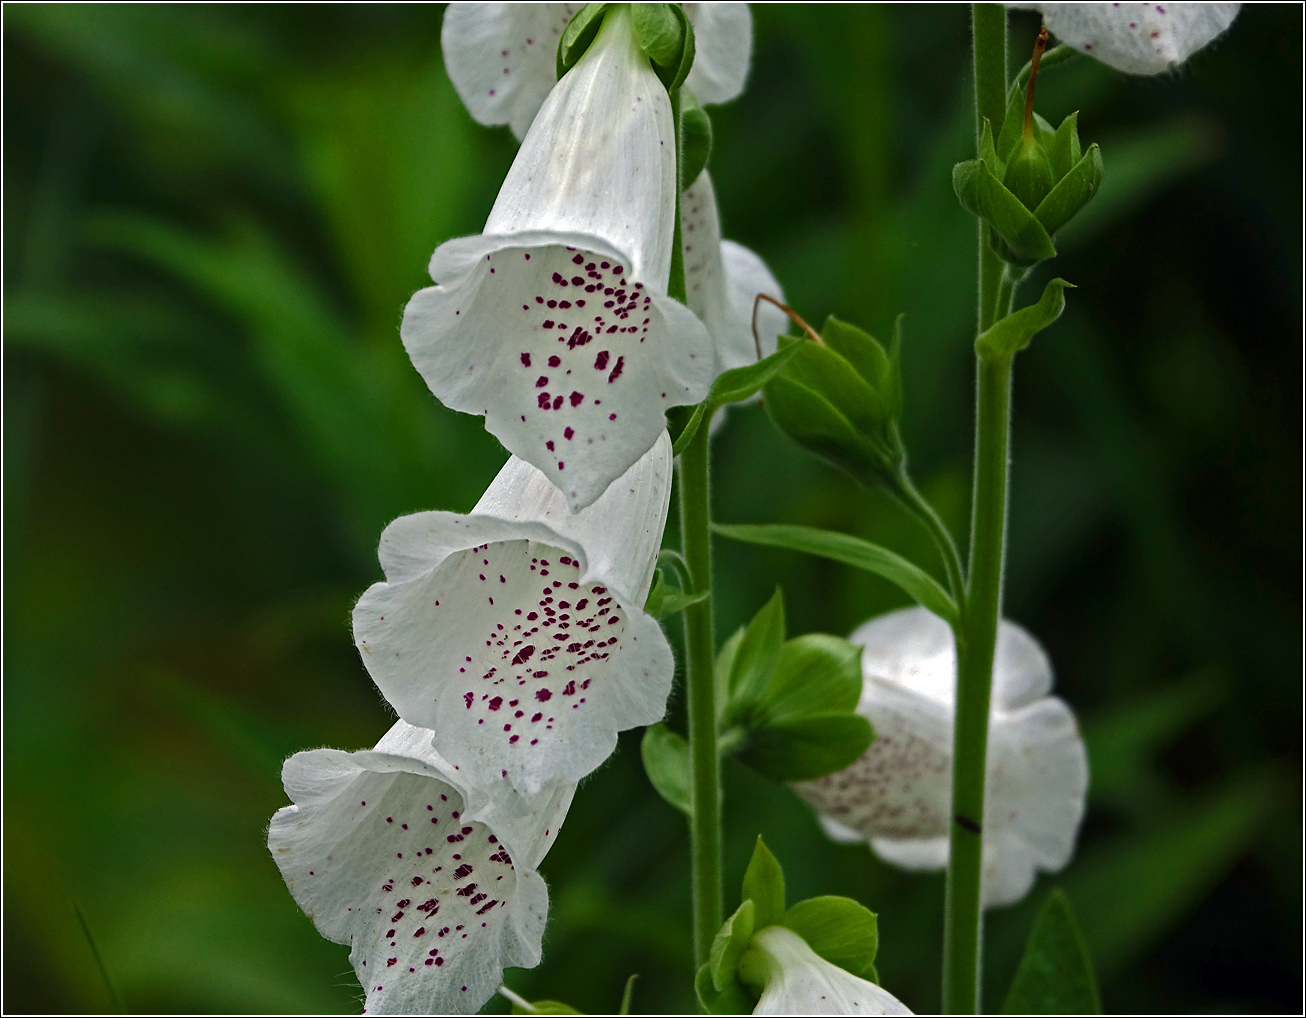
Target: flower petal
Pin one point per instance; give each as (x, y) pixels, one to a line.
(1137, 38)
(501, 57)
(802, 982)
(516, 648)
(723, 48)
(381, 853)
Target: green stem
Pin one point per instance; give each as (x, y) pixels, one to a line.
(916, 502)
(976, 636)
(705, 790)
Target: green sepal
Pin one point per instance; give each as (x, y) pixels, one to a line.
(806, 748)
(1014, 332)
(806, 417)
(729, 944)
(1029, 173)
(1075, 190)
(695, 139)
(734, 999)
(664, 600)
(577, 36)
(878, 367)
(1013, 124)
(1043, 131)
(987, 153)
(764, 885)
(816, 674)
(842, 931)
(666, 762)
(545, 1007)
(732, 386)
(1064, 151)
(666, 37)
(1015, 234)
(725, 663)
(757, 655)
(1056, 974)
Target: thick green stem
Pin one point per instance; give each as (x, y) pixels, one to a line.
(982, 609)
(705, 789)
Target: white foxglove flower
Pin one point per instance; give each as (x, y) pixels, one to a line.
(517, 633)
(722, 281)
(432, 882)
(898, 794)
(501, 58)
(1137, 38)
(554, 323)
(799, 981)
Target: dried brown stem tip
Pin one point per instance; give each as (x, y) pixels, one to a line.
(1040, 44)
(794, 316)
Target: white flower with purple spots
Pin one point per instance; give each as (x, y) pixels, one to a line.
(897, 795)
(555, 323)
(797, 980)
(1137, 38)
(517, 633)
(722, 281)
(431, 882)
(501, 57)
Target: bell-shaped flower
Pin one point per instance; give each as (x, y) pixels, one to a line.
(796, 980)
(722, 281)
(501, 58)
(431, 881)
(1137, 38)
(517, 633)
(898, 794)
(555, 323)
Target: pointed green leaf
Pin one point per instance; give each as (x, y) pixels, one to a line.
(666, 762)
(816, 674)
(1015, 331)
(664, 600)
(851, 551)
(1056, 974)
(764, 885)
(1064, 152)
(1013, 123)
(729, 945)
(860, 349)
(740, 383)
(628, 994)
(758, 655)
(808, 747)
(577, 36)
(725, 663)
(842, 931)
(690, 429)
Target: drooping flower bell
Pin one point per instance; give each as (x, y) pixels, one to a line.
(1137, 38)
(796, 980)
(555, 323)
(517, 633)
(722, 281)
(898, 794)
(431, 880)
(501, 57)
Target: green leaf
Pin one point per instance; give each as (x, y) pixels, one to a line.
(1015, 331)
(1056, 974)
(695, 140)
(764, 885)
(735, 385)
(577, 36)
(842, 931)
(1075, 190)
(853, 551)
(734, 999)
(816, 674)
(729, 944)
(1013, 123)
(1024, 240)
(666, 762)
(806, 417)
(1064, 152)
(664, 601)
(725, 663)
(808, 747)
(690, 427)
(860, 349)
(628, 994)
(758, 654)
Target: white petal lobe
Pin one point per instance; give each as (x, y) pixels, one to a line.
(1137, 38)
(802, 982)
(723, 48)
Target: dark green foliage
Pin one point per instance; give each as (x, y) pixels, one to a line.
(1056, 974)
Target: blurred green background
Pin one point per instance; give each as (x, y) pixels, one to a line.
(213, 218)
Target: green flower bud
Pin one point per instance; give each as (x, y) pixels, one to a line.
(1029, 174)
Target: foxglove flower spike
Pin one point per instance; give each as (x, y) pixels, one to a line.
(431, 881)
(898, 794)
(517, 633)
